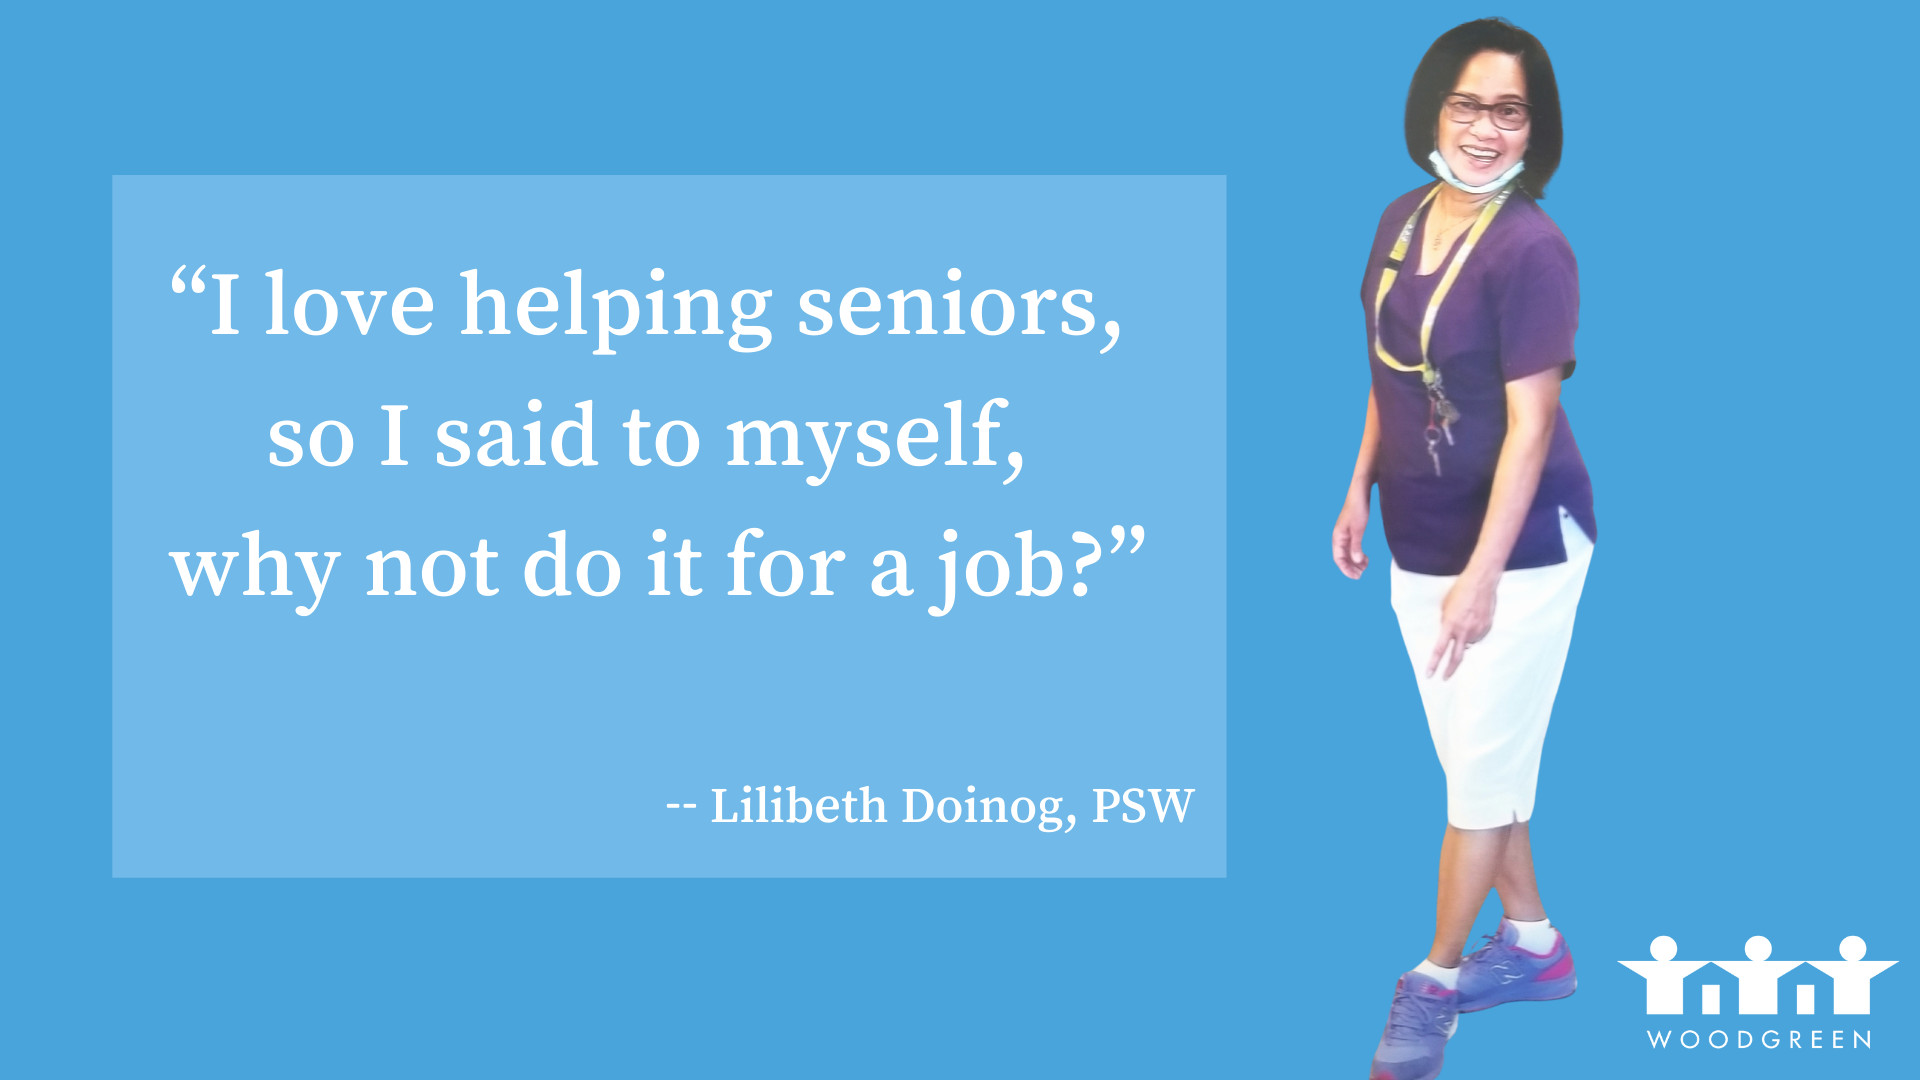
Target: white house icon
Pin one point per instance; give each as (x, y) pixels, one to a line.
(1852, 977)
(1666, 977)
(1759, 977)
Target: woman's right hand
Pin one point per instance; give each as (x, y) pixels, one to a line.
(1347, 532)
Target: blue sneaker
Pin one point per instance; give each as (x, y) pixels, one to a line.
(1418, 1026)
(1502, 971)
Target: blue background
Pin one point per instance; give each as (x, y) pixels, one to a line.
(515, 734)
(1732, 751)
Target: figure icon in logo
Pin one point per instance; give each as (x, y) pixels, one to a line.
(1760, 977)
(1666, 977)
(1852, 977)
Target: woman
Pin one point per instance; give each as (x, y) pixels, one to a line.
(1471, 298)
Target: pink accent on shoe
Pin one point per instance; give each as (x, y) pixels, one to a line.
(1560, 970)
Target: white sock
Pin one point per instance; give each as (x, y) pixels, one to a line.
(1447, 977)
(1535, 937)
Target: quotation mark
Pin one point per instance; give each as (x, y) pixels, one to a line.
(181, 286)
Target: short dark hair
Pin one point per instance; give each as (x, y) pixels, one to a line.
(1439, 72)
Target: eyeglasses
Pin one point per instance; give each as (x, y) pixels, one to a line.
(1506, 115)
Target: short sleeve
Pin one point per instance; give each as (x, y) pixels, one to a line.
(1392, 220)
(1539, 308)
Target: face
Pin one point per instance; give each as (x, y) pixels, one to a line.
(1479, 150)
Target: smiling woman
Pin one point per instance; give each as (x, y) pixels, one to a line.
(1448, 73)
(1484, 498)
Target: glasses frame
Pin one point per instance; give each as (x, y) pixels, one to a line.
(1458, 100)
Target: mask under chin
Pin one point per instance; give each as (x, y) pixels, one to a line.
(1445, 172)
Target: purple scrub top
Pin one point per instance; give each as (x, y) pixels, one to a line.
(1511, 313)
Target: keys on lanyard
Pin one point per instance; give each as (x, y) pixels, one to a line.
(1441, 414)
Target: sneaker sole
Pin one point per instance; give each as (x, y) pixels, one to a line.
(1371, 1075)
(1532, 997)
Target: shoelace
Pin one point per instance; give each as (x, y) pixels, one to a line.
(1414, 1014)
(1490, 939)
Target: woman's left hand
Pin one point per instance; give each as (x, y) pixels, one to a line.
(1533, 406)
(1465, 618)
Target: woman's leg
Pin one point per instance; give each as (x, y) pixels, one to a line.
(1470, 862)
(1519, 895)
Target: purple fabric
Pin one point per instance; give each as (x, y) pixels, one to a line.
(1511, 313)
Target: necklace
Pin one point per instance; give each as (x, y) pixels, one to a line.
(1441, 413)
(1441, 236)
(1437, 242)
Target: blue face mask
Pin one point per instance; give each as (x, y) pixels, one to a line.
(1445, 173)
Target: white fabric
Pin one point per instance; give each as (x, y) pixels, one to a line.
(1445, 172)
(1447, 977)
(1535, 937)
(1489, 721)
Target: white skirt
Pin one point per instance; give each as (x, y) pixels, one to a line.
(1489, 721)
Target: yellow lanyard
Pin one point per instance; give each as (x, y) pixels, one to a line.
(1428, 373)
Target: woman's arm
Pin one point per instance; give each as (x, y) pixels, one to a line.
(1533, 404)
(1352, 523)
